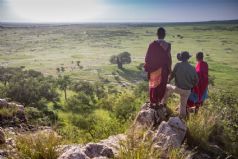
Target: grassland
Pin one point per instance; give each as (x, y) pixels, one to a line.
(46, 48)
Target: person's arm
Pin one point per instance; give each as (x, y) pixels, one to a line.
(172, 74)
(170, 59)
(147, 57)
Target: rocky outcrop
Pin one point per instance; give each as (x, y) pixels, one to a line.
(149, 118)
(170, 134)
(107, 148)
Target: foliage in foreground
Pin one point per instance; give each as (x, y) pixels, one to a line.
(41, 145)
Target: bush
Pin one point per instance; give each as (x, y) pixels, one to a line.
(41, 145)
(80, 103)
(98, 125)
(125, 106)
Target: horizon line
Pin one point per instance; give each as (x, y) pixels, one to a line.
(115, 22)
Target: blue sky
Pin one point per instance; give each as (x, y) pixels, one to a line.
(117, 10)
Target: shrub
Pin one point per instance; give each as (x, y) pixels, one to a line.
(98, 125)
(125, 106)
(80, 103)
(41, 145)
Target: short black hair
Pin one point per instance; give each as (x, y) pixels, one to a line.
(199, 55)
(161, 32)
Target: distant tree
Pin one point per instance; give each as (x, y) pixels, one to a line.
(78, 63)
(58, 70)
(121, 59)
(64, 82)
(62, 69)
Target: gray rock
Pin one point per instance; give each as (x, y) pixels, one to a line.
(2, 137)
(147, 117)
(113, 142)
(75, 152)
(105, 149)
(170, 134)
(93, 150)
(3, 103)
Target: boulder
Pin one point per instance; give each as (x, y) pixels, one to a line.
(105, 149)
(3, 103)
(113, 142)
(74, 152)
(149, 118)
(93, 150)
(2, 137)
(170, 134)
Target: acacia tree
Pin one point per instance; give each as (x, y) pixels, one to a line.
(121, 59)
(64, 82)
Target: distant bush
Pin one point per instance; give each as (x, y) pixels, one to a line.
(41, 145)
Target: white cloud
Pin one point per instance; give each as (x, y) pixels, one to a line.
(57, 10)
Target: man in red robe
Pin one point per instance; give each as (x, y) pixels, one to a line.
(158, 66)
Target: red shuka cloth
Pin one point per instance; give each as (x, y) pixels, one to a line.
(158, 56)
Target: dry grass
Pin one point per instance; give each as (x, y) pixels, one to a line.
(41, 145)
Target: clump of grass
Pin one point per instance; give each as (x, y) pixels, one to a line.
(175, 154)
(41, 145)
(200, 127)
(8, 112)
(135, 148)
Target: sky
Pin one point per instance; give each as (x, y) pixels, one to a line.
(73, 11)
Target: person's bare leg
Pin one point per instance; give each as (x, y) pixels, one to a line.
(169, 90)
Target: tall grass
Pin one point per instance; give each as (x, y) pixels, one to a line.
(175, 154)
(200, 127)
(135, 148)
(8, 112)
(41, 145)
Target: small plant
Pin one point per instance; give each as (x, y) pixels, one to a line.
(41, 145)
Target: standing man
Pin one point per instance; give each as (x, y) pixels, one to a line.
(158, 66)
(185, 79)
